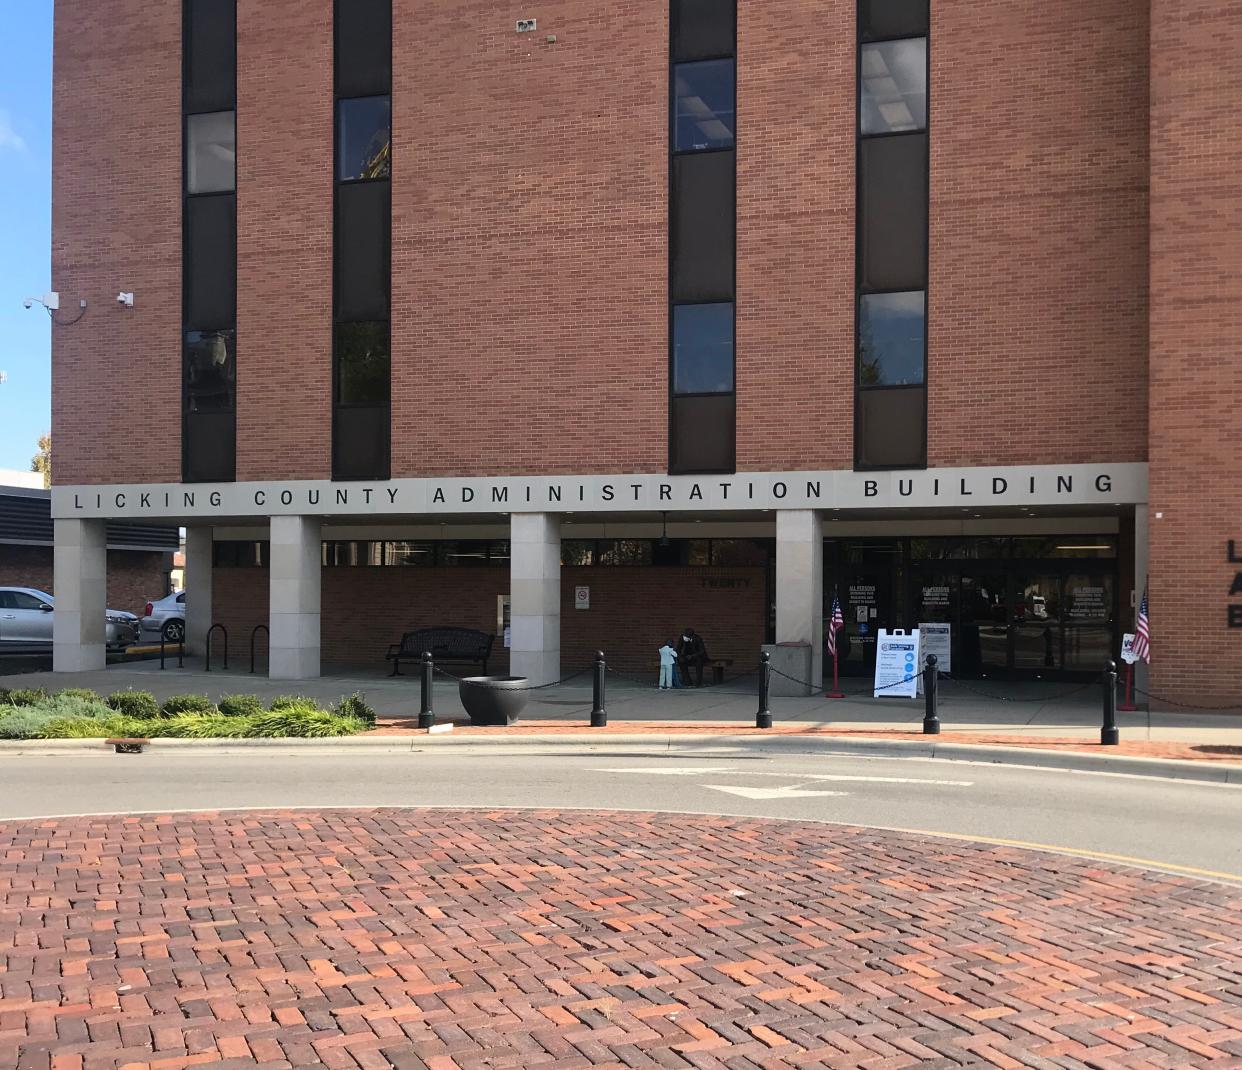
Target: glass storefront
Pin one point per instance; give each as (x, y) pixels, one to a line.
(1018, 607)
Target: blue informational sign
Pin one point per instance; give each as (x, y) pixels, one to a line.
(896, 664)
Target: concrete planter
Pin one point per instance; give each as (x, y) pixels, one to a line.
(493, 700)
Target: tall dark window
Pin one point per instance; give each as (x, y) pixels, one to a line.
(702, 235)
(362, 335)
(209, 241)
(890, 413)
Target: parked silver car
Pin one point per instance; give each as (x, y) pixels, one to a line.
(166, 617)
(26, 623)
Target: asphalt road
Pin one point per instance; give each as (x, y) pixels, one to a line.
(1180, 826)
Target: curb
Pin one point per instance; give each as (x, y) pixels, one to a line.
(1029, 757)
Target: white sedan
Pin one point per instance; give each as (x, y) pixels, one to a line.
(26, 615)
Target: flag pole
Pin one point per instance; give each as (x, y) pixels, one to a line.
(1128, 706)
(836, 650)
(836, 689)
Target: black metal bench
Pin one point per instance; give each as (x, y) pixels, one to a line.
(462, 646)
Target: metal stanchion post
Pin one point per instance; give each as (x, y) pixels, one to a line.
(181, 653)
(763, 719)
(1109, 736)
(931, 697)
(426, 718)
(599, 715)
(161, 650)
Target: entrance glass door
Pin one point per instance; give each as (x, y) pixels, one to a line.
(984, 633)
(1036, 622)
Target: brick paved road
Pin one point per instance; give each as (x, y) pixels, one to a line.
(443, 939)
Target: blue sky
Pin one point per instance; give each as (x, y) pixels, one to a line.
(25, 227)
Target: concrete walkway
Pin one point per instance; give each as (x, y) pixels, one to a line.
(1061, 710)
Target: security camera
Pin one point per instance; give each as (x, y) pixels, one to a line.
(28, 303)
(126, 299)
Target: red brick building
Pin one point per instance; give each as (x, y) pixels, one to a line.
(717, 310)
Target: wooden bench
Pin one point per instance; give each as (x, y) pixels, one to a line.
(459, 646)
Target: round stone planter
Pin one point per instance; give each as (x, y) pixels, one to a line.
(493, 700)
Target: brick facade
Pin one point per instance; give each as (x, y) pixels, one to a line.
(530, 236)
(633, 611)
(1196, 356)
(134, 577)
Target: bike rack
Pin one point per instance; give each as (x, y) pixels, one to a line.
(180, 650)
(253, 635)
(224, 632)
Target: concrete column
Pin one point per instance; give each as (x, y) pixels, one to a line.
(800, 587)
(294, 613)
(198, 609)
(535, 591)
(81, 582)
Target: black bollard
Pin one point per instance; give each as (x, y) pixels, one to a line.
(599, 715)
(1109, 736)
(426, 718)
(763, 719)
(931, 697)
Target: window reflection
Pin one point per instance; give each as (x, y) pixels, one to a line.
(364, 138)
(891, 339)
(209, 370)
(703, 349)
(704, 115)
(894, 86)
(211, 153)
(363, 359)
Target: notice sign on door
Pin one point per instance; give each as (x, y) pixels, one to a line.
(896, 664)
(582, 598)
(935, 639)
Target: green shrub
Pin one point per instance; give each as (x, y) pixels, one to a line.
(304, 722)
(284, 702)
(27, 696)
(179, 704)
(139, 704)
(66, 704)
(4, 696)
(355, 705)
(241, 706)
(93, 727)
(22, 722)
(79, 692)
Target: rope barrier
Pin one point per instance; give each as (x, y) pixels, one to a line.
(1187, 706)
(1008, 698)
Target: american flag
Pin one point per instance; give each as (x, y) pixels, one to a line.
(1142, 637)
(835, 625)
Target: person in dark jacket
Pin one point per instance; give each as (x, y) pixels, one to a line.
(691, 651)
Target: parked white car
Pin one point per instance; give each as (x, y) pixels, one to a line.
(26, 615)
(166, 617)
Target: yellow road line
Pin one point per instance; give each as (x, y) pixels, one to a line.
(1078, 852)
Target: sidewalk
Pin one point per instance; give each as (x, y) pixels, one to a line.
(1049, 716)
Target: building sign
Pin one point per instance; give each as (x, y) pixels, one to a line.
(1043, 485)
(582, 598)
(896, 664)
